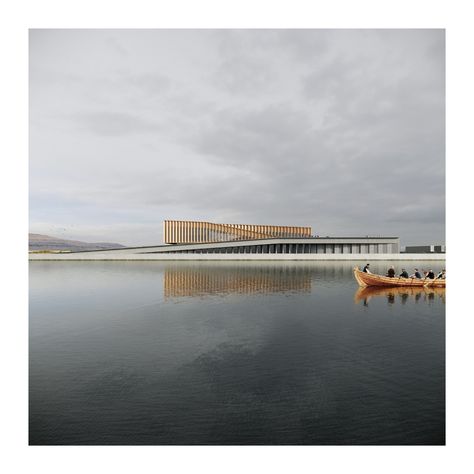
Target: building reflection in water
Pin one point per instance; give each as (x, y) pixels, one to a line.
(399, 294)
(201, 281)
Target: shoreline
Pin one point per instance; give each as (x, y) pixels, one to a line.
(119, 256)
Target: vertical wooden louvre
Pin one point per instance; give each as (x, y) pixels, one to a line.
(187, 232)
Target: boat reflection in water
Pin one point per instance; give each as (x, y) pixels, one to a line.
(204, 281)
(400, 294)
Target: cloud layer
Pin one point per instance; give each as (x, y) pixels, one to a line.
(342, 130)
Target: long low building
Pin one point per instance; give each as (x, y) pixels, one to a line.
(188, 240)
(308, 245)
(210, 238)
(274, 248)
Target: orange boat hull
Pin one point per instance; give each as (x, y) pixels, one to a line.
(370, 279)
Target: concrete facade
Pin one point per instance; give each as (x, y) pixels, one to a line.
(315, 248)
(282, 246)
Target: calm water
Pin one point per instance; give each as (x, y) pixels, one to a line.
(231, 353)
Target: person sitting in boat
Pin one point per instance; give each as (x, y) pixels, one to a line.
(430, 274)
(441, 275)
(366, 269)
(391, 272)
(404, 273)
(416, 274)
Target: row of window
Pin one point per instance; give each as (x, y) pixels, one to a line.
(299, 248)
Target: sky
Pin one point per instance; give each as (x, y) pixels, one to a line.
(340, 130)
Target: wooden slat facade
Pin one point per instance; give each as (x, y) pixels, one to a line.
(194, 232)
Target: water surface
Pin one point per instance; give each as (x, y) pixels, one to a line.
(232, 353)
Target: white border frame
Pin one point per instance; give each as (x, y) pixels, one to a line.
(17, 17)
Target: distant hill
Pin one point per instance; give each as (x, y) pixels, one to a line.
(46, 242)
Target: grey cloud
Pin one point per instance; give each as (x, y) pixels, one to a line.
(114, 123)
(243, 75)
(339, 129)
(117, 46)
(307, 46)
(247, 63)
(150, 84)
(238, 136)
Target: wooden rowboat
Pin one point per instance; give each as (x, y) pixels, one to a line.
(370, 279)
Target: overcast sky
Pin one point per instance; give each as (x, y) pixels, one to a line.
(341, 130)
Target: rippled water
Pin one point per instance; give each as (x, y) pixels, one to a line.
(232, 353)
